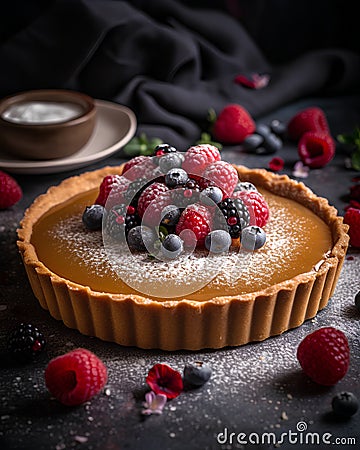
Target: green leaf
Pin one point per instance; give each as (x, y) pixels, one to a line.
(206, 138)
(355, 160)
(141, 145)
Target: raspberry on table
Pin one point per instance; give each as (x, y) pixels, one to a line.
(223, 175)
(10, 191)
(75, 377)
(309, 119)
(256, 205)
(324, 355)
(233, 124)
(198, 157)
(352, 218)
(316, 149)
(195, 222)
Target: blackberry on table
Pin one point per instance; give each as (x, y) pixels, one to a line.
(26, 342)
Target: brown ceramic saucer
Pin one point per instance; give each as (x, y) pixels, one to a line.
(192, 323)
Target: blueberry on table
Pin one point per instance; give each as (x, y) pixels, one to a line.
(197, 373)
(357, 301)
(252, 142)
(345, 404)
(278, 127)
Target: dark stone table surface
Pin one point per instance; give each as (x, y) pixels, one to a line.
(255, 389)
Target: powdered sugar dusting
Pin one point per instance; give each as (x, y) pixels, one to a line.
(225, 274)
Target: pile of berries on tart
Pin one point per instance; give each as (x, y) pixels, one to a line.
(173, 202)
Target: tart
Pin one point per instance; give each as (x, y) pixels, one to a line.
(281, 285)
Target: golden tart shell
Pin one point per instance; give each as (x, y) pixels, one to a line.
(133, 320)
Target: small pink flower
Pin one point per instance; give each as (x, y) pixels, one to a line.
(300, 170)
(154, 403)
(253, 80)
(276, 164)
(162, 379)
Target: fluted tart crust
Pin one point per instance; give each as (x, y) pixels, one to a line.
(173, 324)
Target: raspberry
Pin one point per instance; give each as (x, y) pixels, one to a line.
(139, 167)
(198, 220)
(310, 119)
(223, 175)
(152, 201)
(162, 379)
(316, 149)
(108, 183)
(257, 206)
(233, 124)
(352, 218)
(324, 355)
(10, 191)
(198, 157)
(75, 377)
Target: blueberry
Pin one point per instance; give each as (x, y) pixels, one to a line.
(252, 142)
(170, 161)
(196, 373)
(92, 217)
(357, 301)
(245, 186)
(278, 127)
(170, 215)
(253, 237)
(141, 238)
(176, 177)
(211, 195)
(218, 241)
(172, 246)
(345, 404)
(263, 130)
(272, 143)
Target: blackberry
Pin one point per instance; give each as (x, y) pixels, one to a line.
(186, 195)
(243, 212)
(26, 342)
(161, 150)
(135, 189)
(229, 211)
(120, 220)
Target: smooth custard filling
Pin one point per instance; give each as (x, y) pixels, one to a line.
(297, 240)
